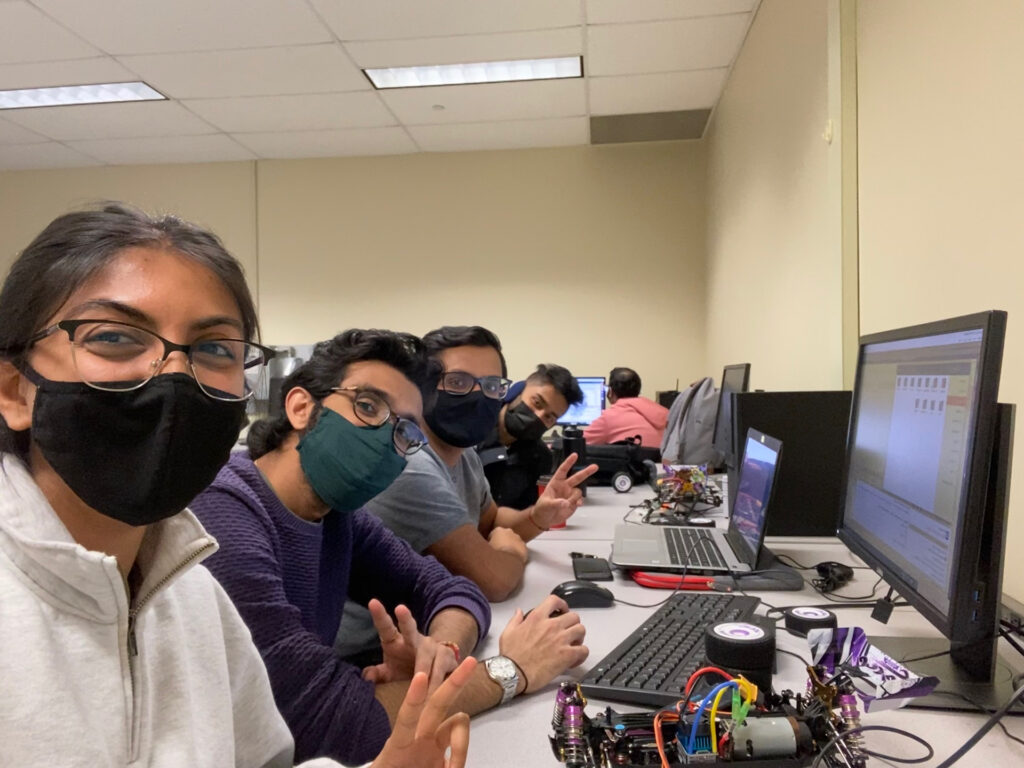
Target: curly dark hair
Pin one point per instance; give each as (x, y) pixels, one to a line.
(328, 365)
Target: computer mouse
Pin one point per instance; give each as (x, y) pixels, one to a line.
(584, 594)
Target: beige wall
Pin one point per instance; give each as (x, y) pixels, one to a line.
(941, 169)
(587, 256)
(774, 265)
(219, 195)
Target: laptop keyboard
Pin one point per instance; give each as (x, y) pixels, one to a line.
(652, 665)
(693, 547)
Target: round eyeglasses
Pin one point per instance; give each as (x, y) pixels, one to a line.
(462, 383)
(374, 411)
(118, 357)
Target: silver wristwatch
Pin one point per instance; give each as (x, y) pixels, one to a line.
(504, 672)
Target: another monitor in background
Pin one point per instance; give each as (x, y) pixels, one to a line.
(925, 493)
(812, 426)
(735, 378)
(583, 413)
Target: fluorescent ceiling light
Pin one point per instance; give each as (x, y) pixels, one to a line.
(480, 72)
(100, 93)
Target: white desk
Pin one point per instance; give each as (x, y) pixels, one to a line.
(516, 735)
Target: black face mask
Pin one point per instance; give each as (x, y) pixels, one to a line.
(462, 420)
(522, 423)
(137, 456)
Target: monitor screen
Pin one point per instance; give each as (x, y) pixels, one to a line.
(590, 408)
(915, 410)
(735, 378)
(756, 481)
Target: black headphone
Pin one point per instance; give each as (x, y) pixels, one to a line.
(831, 576)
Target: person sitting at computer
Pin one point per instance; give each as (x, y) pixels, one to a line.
(442, 504)
(514, 455)
(295, 544)
(628, 414)
(125, 344)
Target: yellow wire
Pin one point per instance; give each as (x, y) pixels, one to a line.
(714, 712)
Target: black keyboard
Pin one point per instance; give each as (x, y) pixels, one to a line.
(693, 547)
(652, 665)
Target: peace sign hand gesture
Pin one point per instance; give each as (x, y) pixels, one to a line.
(562, 496)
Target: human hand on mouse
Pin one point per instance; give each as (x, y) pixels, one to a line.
(545, 643)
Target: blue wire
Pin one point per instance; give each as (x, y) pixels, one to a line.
(691, 743)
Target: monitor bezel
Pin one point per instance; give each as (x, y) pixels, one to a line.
(729, 458)
(968, 572)
(604, 395)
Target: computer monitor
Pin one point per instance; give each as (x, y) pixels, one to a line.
(735, 378)
(924, 493)
(585, 412)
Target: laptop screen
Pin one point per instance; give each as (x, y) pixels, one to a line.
(756, 478)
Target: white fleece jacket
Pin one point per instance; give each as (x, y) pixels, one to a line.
(88, 680)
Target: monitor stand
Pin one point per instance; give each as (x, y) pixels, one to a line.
(952, 679)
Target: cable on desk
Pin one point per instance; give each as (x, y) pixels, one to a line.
(889, 729)
(797, 656)
(796, 564)
(678, 586)
(980, 734)
(981, 708)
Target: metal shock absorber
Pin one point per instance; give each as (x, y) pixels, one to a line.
(851, 719)
(566, 691)
(575, 745)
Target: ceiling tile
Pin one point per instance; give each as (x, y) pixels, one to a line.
(27, 35)
(47, 155)
(378, 20)
(662, 92)
(46, 74)
(250, 72)
(15, 134)
(665, 46)
(487, 102)
(540, 44)
(391, 140)
(110, 121)
(294, 113)
(169, 149)
(616, 11)
(511, 134)
(165, 26)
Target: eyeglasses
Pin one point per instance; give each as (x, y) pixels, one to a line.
(374, 411)
(118, 357)
(462, 383)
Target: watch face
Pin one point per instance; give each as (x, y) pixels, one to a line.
(501, 667)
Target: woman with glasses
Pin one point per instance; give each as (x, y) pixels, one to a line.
(126, 359)
(295, 542)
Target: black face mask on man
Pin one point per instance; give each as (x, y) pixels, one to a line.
(522, 423)
(462, 420)
(138, 456)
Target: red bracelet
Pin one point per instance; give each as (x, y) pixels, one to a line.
(455, 649)
(535, 523)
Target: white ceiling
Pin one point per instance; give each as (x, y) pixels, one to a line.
(281, 78)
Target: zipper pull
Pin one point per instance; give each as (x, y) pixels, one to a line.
(133, 648)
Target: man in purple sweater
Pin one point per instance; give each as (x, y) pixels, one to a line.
(295, 542)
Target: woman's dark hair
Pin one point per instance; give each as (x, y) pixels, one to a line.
(561, 379)
(449, 336)
(74, 248)
(327, 367)
(624, 382)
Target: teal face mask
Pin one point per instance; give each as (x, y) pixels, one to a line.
(348, 465)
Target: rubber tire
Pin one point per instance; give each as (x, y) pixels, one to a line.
(622, 482)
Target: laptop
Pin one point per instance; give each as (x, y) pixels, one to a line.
(711, 550)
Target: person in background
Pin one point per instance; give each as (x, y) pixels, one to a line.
(514, 455)
(127, 353)
(628, 414)
(295, 543)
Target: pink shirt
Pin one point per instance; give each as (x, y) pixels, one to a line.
(628, 417)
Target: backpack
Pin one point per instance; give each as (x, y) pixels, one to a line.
(690, 431)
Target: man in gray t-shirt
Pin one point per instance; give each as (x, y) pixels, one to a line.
(441, 503)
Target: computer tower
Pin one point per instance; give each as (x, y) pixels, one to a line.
(812, 427)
